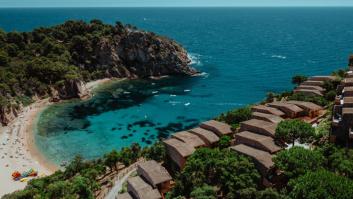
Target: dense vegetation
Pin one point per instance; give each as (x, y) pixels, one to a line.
(31, 62)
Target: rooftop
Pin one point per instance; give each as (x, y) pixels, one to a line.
(153, 172)
(269, 127)
(262, 157)
(321, 78)
(219, 128)
(313, 83)
(347, 111)
(267, 117)
(265, 142)
(286, 106)
(189, 138)
(141, 189)
(266, 109)
(308, 87)
(313, 92)
(206, 134)
(182, 148)
(306, 105)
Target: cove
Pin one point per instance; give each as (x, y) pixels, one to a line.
(243, 52)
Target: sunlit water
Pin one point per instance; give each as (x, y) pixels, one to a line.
(243, 52)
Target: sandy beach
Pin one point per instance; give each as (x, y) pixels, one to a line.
(18, 151)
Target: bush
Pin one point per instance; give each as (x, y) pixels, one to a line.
(236, 116)
(292, 130)
(319, 100)
(298, 79)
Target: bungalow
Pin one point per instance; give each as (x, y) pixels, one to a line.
(139, 189)
(267, 110)
(308, 92)
(207, 136)
(291, 110)
(257, 141)
(156, 175)
(216, 127)
(347, 82)
(189, 138)
(315, 88)
(266, 117)
(178, 151)
(313, 83)
(347, 91)
(348, 102)
(259, 126)
(312, 110)
(347, 115)
(322, 78)
(262, 159)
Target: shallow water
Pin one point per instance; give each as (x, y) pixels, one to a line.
(244, 53)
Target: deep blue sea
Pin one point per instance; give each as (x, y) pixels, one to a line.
(243, 52)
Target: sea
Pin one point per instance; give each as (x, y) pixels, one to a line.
(243, 53)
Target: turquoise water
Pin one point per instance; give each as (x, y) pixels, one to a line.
(243, 52)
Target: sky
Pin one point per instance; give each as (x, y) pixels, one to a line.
(170, 3)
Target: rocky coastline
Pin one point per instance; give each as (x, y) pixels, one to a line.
(126, 53)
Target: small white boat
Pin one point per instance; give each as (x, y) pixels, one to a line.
(187, 104)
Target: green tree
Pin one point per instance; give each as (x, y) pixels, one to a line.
(321, 184)
(224, 169)
(204, 192)
(224, 142)
(236, 116)
(297, 161)
(298, 79)
(111, 159)
(155, 152)
(4, 58)
(292, 130)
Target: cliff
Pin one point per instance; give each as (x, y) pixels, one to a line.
(57, 61)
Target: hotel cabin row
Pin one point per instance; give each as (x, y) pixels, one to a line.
(342, 119)
(255, 137)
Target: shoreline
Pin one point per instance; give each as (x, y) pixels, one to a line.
(18, 150)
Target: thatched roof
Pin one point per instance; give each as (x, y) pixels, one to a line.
(206, 135)
(268, 110)
(182, 148)
(284, 106)
(259, 126)
(141, 190)
(189, 138)
(258, 141)
(219, 128)
(262, 159)
(153, 172)
(309, 106)
(266, 117)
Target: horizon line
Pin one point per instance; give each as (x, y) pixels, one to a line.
(279, 6)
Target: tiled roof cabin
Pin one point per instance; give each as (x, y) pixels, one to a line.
(262, 159)
(347, 102)
(322, 78)
(216, 127)
(178, 151)
(310, 109)
(267, 110)
(347, 91)
(156, 175)
(209, 138)
(291, 110)
(258, 141)
(139, 189)
(266, 117)
(189, 138)
(259, 126)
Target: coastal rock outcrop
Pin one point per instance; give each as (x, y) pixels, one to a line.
(57, 61)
